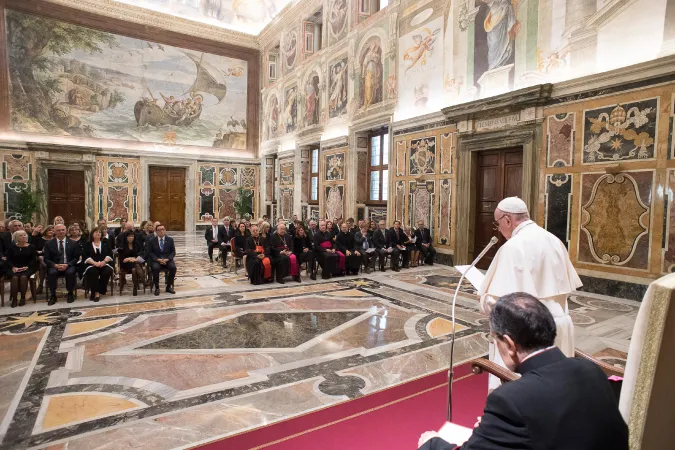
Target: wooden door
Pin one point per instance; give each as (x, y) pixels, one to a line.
(499, 175)
(167, 197)
(66, 195)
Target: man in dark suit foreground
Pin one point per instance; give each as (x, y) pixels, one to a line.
(161, 252)
(61, 256)
(558, 403)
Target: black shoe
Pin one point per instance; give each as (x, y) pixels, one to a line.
(95, 299)
(297, 278)
(22, 302)
(135, 292)
(169, 289)
(395, 269)
(157, 291)
(52, 300)
(14, 303)
(312, 276)
(71, 297)
(281, 282)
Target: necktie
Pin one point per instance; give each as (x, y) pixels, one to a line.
(161, 245)
(365, 243)
(61, 252)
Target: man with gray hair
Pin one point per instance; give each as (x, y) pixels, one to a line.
(534, 261)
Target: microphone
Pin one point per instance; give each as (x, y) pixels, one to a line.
(451, 373)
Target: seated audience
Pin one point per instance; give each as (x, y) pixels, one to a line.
(411, 246)
(258, 263)
(326, 254)
(22, 261)
(61, 256)
(160, 252)
(121, 229)
(240, 237)
(264, 230)
(397, 240)
(283, 259)
(344, 242)
(311, 231)
(372, 227)
(558, 403)
(107, 233)
(363, 244)
(303, 248)
(98, 263)
(382, 247)
(121, 238)
(425, 243)
(58, 220)
(85, 232)
(128, 257)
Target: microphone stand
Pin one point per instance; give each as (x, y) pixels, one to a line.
(451, 371)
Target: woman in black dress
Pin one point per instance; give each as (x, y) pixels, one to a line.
(22, 260)
(128, 255)
(303, 247)
(98, 264)
(239, 249)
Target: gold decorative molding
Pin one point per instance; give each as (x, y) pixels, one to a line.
(143, 16)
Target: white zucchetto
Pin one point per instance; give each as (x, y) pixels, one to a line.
(512, 205)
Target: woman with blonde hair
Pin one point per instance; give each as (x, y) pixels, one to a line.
(22, 260)
(265, 230)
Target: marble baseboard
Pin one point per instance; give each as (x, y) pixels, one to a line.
(444, 259)
(613, 288)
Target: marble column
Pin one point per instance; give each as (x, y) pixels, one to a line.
(581, 40)
(351, 168)
(297, 183)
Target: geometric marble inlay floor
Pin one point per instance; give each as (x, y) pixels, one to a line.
(222, 357)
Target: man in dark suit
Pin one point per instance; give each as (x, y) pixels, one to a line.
(161, 252)
(212, 236)
(397, 240)
(424, 243)
(558, 403)
(110, 233)
(381, 241)
(61, 256)
(312, 230)
(363, 244)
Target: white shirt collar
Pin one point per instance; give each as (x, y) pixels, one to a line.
(521, 226)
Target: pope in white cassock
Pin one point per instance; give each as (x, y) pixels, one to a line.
(533, 261)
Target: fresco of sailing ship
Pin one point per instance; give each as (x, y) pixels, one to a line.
(89, 83)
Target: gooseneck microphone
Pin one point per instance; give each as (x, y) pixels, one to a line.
(492, 242)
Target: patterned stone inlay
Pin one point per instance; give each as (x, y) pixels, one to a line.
(258, 330)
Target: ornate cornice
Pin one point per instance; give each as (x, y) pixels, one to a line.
(146, 17)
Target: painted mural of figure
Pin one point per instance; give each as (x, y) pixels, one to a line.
(312, 101)
(371, 75)
(274, 119)
(338, 89)
(290, 111)
(423, 47)
(501, 27)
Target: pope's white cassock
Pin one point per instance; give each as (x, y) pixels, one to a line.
(536, 262)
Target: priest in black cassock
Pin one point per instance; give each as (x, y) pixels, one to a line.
(325, 251)
(258, 263)
(303, 248)
(345, 244)
(285, 262)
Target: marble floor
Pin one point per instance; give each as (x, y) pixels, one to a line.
(221, 356)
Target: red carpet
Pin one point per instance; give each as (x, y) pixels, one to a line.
(391, 419)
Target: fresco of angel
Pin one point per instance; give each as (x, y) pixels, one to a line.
(421, 49)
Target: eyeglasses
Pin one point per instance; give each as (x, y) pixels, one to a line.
(495, 224)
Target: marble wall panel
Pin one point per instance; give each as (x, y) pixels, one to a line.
(118, 187)
(206, 204)
(216, 191)
(423, 156)
(226, 199)
(421, 203)
(334, 203)
(17, 171)
(334, 165)
(558, 205)
(622, 132)
(286, 200)
(401, 159)
(118, 203)
(16, 166)
(377, 214)
(616, 214)
(399, 202)
(444, 212)
(269, 179)
(560, 140)
(314, 213)
(305, 181)
(446, 153)
(362, 178)
(286, 172)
